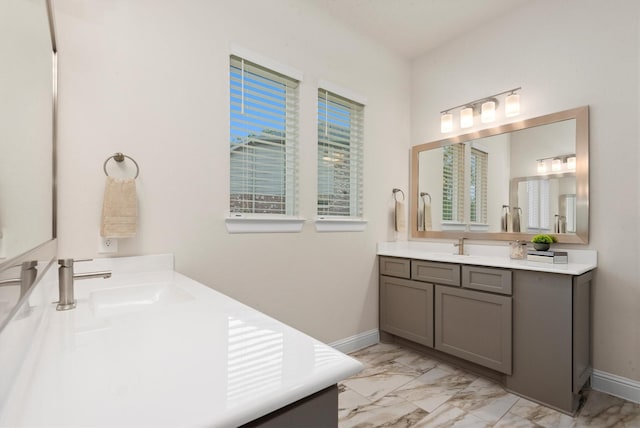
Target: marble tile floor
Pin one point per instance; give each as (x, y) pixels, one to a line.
(402, 388)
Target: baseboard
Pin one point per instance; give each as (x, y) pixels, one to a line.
(359, 341)
(616, 385)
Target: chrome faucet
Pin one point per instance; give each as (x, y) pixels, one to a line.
(66, 278)
(460, 246)
(28, 274)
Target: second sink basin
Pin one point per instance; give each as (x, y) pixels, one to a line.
(134, 298)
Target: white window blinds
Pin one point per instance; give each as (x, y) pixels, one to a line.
(538, 219)
(478, 189)
(453, 183)
(263, 140)
(340, 141)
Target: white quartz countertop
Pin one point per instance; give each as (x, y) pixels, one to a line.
(158, 348)
(580, 261)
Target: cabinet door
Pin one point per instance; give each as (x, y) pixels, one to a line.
(475, 326)
(406, 309)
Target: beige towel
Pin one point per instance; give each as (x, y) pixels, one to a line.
(428, 225)
(119, 209)
(399, 217)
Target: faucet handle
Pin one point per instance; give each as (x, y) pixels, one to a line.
(69, 262)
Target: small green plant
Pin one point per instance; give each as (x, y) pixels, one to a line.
(543, 239)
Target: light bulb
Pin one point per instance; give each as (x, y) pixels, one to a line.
(556, 165)
(446, 123)
(542, 166)
(512, 105)
(488, 112)
(571, 163)
(466, 117)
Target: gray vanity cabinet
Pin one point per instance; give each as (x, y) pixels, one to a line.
(531, 328)
(551, 337)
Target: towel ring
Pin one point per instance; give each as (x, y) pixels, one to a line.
(395, 196)
(119, 157)
(423, 194)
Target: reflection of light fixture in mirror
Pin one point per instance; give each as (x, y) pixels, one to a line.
(488, 111)
(487, 108)
(466, 117)
(542, 166)
(560, 163)
(446, 123)
(512, 105)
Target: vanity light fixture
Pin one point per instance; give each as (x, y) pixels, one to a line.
(466, 117)
(486, 107)
(446, 123)
(488, 113)
(558, 164)
(542, 166)
(512, 105)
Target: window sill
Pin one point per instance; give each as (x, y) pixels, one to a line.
(266, 224)
(340, 224)
(478, 227)
(451, 225)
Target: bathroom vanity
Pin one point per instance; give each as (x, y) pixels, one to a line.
(151, 347)
(524, 324)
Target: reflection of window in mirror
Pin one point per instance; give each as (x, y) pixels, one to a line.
(478, 189)
(464, 166)
(453, 184)
(567, 209)
(538, 215)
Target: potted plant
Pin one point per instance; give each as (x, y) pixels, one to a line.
(542, 242)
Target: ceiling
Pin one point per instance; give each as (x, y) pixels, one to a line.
(412, 27)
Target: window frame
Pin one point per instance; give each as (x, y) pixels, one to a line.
(287, 221)
(331, 94)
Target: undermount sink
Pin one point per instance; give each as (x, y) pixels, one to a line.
(135, 298)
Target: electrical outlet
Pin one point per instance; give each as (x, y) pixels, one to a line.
(107, 245)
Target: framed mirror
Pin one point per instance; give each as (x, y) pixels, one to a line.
(27, 151)
(26, 130)
(505, 183)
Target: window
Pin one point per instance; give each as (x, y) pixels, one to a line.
(478, 188)
(340, 132)
(263, 140)
(538, 219)
(464, 167)
(453, 183)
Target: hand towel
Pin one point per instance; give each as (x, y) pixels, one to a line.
(119, 209)
(399, 221)
(427, 217)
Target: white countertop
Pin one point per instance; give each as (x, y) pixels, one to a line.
(580, 261)
(175, 353)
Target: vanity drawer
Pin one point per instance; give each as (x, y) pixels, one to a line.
(394, 266)
(438, 273)
(487, 279)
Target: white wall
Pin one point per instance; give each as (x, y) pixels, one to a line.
(150, 78)
(564, 55)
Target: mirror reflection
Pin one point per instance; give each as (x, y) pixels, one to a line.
(26, 128)
(518, 179)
